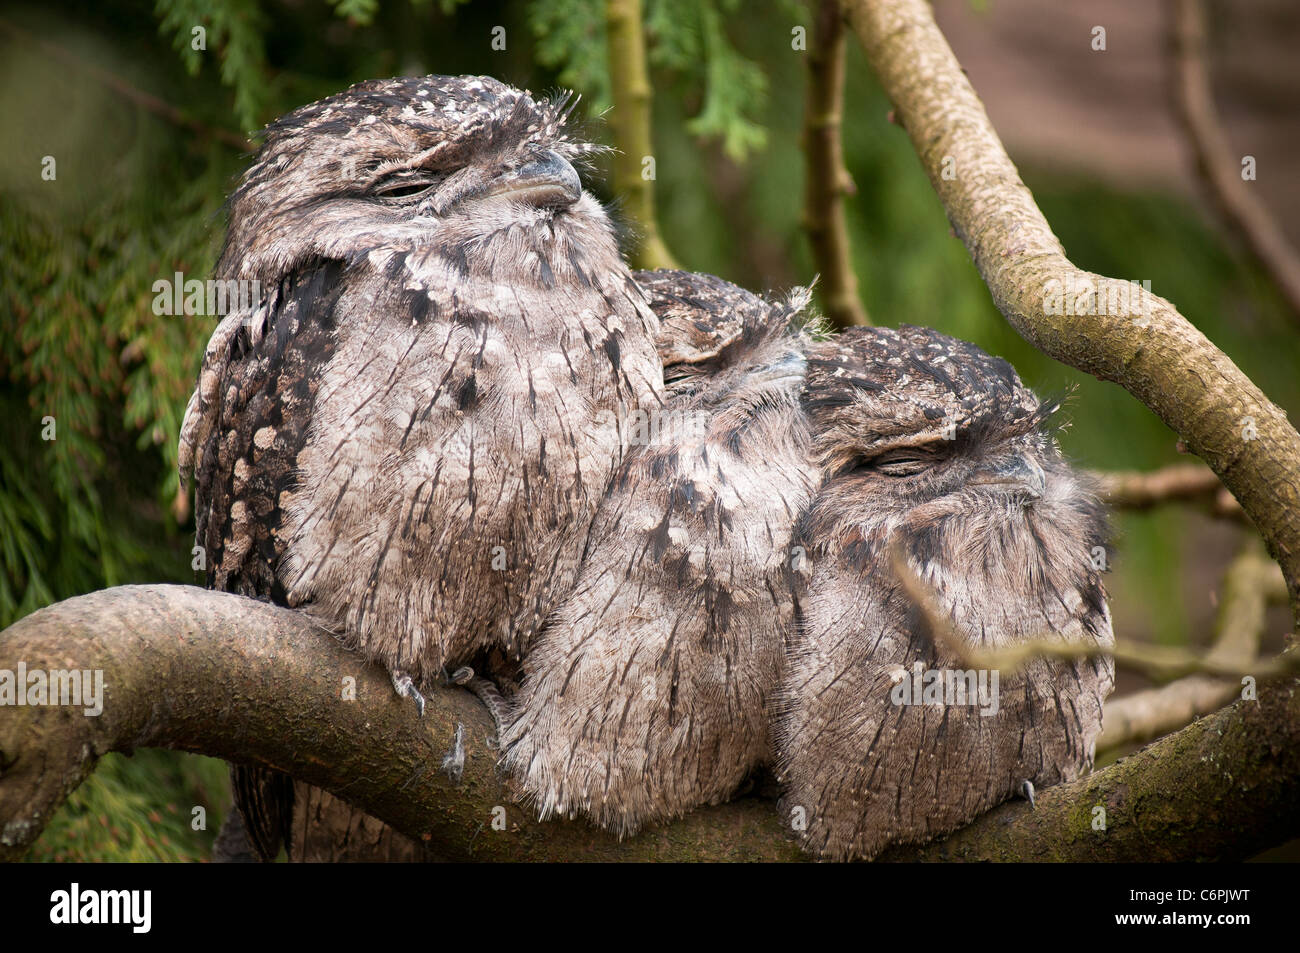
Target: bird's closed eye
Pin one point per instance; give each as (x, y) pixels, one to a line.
(406, 186)
(902, 463)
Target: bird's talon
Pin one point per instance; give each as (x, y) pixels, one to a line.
(405, 686)
(462, 676)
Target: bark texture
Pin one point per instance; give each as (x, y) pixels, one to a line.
(223, 675)
(219, 674)
(629, 121)
(827, 183)
(1102, 326)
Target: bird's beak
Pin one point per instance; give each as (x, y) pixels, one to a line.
(790, 366)
(1015, 472)
(548, 181)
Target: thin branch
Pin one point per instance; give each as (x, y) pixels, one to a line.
(146, 101)
(1157, 660)
(827, 182)
(1114, 330)
(1219, 167)
(1243, 603)
(629, 123)
(1180, 483)
(1149, 714)
(1247, 586)
(223, 675)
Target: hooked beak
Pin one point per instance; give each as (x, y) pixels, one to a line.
(1017, 473)
(548, 181)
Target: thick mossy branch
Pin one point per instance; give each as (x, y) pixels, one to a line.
(1223, 788)
(218, 674)
(629, 121)
(1114, 330)
(222, 675)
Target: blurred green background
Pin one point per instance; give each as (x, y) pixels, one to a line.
(138, 197)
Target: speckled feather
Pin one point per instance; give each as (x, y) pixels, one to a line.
(647, 693)
(425, 381)
(401, 438)
(861, 772)
(459, 363)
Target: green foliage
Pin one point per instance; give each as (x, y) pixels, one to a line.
(685, 38)
(447, 7)
(360, 11)
(234, 28)
(734, 87)
(570, 37)
(140, 808)
(84, 356)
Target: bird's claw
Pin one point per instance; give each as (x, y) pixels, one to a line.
(487, 692)
(1027, 791)
(405, 686)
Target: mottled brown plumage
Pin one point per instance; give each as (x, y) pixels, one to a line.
(930, 445)
(647, 693)
(402, 438)
(443, 430)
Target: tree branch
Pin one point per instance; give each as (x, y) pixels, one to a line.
(1111, 329)
(629, 122)
(1219, 168)
(827, 182)
(219, 674)
(222, 675)
(1224, 788)
(1180, 483)
(1158, 660)
(1247, 586)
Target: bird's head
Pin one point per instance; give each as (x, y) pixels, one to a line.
(930, 442)
(733, 357)
(463, 165)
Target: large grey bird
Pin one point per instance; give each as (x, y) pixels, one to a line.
(405, 436)
(648, 691)
(940, 470)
